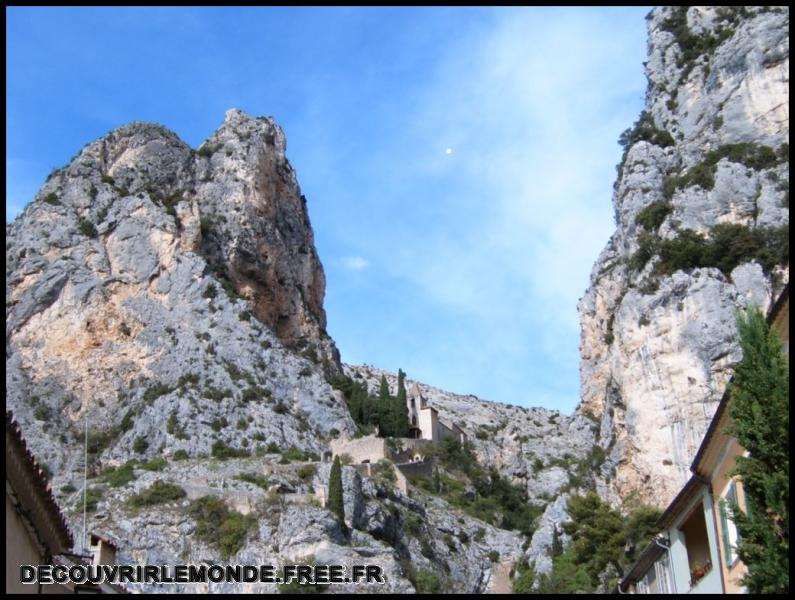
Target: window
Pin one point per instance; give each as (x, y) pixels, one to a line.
(728, 529)
(662, 570)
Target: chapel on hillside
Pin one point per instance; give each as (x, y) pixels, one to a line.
(424, 423)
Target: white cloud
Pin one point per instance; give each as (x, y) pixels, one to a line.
(354, 263)
(515, 224)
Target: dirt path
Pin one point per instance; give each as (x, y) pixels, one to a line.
(501, 578)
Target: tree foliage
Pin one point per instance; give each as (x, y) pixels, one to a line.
(400, 412)
(388, 415)
(336, 502)
(604, 544)
(759, 407)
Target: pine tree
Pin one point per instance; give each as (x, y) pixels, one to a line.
(336, 502)
(759, 407)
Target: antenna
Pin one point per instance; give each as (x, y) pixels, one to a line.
(85, 486)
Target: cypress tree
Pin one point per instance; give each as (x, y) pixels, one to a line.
(354, 404)
(383, 390)
(759, 407)
(336, 503)
(400, 411)
(382, 410)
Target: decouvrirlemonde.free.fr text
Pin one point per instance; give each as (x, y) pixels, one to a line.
(121, 574)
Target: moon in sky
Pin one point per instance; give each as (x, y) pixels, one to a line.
(448, 151)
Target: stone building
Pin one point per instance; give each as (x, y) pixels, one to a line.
(424, 420)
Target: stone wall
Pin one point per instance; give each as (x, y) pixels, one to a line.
(370, 448)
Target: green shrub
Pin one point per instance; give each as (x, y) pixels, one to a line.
(412, 524)
(644, 129)
(87, 228)
(216, 394)
(154, 392)
(119, 476)
(297, 454)
(206, 226)
(42, 413)
(52, 198)
(187, 380)
(306, 472)
(258, 480)
(224, 529)
(181, 455)
(752, 156)
(494, 556)
(140, 445)
(222, 451)
(428, 582)
(254, 393)
(651, 217)
(156, 464)
(728, 246)
(93, 496)
(210, 292)
(692, 45)
(107, 179)
(242, 424)
(159, 492)
(209, 149)
(68, 489)
(218, 423)
(647, 248)
(524, 583)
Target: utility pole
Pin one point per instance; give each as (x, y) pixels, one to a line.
(85, 486)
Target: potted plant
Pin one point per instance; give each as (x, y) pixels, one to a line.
(698, 572)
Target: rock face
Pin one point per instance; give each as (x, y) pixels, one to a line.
(149, 282)
(658, 336)
(257, 230)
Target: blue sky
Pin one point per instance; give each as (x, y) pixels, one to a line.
(458, 162)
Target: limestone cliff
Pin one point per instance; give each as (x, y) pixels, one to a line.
(702, 211)
(147, 279)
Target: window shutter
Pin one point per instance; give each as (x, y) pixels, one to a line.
(724, 525)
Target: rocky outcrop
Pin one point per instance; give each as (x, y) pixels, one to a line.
(658, 337)
(257, 231)
(148, 284)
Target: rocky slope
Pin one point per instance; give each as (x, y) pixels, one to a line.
(547, 453)
(658, 337)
